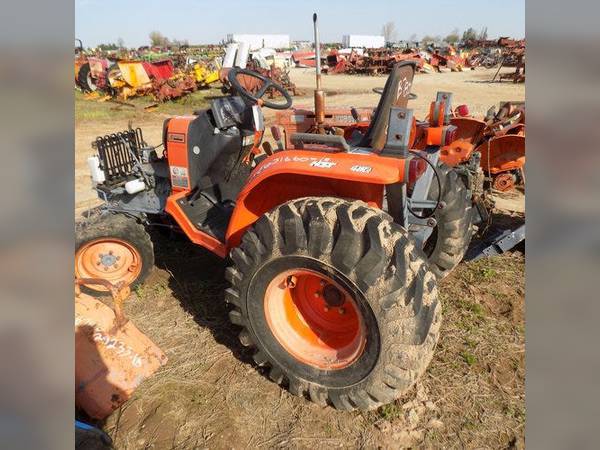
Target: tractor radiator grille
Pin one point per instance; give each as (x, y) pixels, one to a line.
(115, 156)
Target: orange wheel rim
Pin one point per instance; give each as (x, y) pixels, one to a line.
(108, 258)
(315, 319)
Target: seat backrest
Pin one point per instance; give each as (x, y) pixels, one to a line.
(395, 93)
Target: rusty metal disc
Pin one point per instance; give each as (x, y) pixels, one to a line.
(504, 182)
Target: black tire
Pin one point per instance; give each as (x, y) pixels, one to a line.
(452, 235)
(84, 78)
(121, 227)
(361, 248)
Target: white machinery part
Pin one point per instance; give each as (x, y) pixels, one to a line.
(262, 62)
(356, 40)
(241, 58)
(97, 173)
(134, 186)
(256, 41)
(230, 53)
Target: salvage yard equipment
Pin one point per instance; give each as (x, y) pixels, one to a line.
(333, 287)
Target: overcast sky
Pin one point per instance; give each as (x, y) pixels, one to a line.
(208, 22)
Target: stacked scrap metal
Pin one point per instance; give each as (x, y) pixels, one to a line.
(164, 76)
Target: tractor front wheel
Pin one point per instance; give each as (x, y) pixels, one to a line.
(336, 301)
(452, 235)
(113, 247)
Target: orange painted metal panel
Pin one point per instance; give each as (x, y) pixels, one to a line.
(177, 152)
(111, 357)
(300, 173)
(196, 236)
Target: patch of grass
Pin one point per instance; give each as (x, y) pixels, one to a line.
(469, 425)
(159, 289)
(488, 272)
(90, 109)
(470, 343)
(139, 291)
(474, 308)
(468, 357)
(390, 412)
(514, 412)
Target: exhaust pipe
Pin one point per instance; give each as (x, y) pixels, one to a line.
(319, 94)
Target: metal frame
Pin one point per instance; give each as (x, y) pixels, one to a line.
(501, 242)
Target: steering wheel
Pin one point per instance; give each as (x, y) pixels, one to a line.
(379, 90)
(267, 83)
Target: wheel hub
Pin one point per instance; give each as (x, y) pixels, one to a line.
(504, 182)
(333, 297)
(111, 259)
(315, 319)
(108, 259)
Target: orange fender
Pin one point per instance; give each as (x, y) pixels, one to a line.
(503, 154)
(295, 174)
(468, 128)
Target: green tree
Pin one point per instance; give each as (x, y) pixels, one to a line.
(111, 46)
(453, 37)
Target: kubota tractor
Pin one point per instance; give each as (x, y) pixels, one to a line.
(333, 250)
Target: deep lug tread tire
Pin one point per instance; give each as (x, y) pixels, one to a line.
(454, 228)
(381, 261)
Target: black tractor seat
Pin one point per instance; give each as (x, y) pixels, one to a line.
(396, 93)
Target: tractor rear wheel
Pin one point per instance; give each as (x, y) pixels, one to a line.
(451, 237)
(113, 247)
(336, 301)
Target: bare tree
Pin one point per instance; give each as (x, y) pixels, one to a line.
(157, 39)
(483, 34)
(389, 32)
(469, 35)
(121, 43)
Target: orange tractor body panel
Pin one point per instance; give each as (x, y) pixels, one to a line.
(178, 157)
(194, 235)
(300, 173)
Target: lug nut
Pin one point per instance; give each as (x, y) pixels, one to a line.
(118, 258)
(326, 309)
(110, 252)
(342, 311)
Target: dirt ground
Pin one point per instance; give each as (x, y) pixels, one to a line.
(211, 395)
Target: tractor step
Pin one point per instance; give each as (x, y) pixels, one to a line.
(206, 215)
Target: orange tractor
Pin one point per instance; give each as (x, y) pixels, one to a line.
(334, 248)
